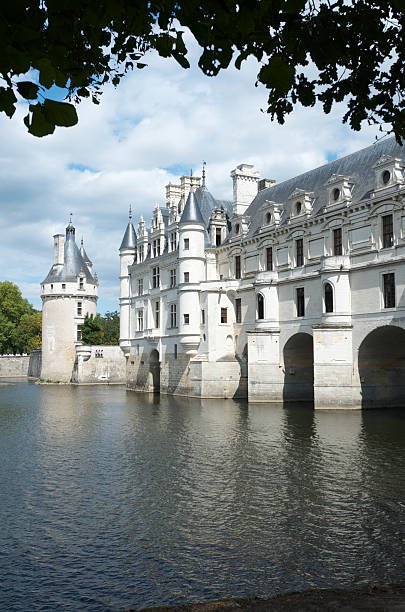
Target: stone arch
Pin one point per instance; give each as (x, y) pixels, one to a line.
(298, 357)
(154, 371)
(381, 362)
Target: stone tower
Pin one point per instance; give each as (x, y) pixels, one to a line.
(127, 255)
(191, 273)
(68, 293)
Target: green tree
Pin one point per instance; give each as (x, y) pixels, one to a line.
(13, 310)
(327, 51)
(92, 330)
(28, 333)
(111, 327)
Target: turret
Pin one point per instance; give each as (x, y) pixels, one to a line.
(191, 273)
(68, 293)
(128, 254)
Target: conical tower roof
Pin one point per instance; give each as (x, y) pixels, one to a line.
(73, 265)
(84, 254)
(191, 212)
(129, 239)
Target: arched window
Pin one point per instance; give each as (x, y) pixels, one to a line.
(260, 306)
(328, 292)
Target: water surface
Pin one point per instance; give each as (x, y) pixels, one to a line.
(111, 499)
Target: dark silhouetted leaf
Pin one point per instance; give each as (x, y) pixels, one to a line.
(27, 90)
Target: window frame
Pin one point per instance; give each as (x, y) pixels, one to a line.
(223, 315)
(238, 267)
(328, 302)
(386, 295)
(140, 319)
(387, 237)
(155, 277)
(300, 302)
(299, 252)
(238, 310)
(337, 236)
(269, 259)
(186, 244)
(173, 316)
(260, 306)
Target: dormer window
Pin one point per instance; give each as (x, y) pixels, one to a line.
(339, 190)
(301, 203)
(388, 172)
(271, 213)
(81, 283)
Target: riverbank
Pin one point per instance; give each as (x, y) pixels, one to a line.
(377, 598)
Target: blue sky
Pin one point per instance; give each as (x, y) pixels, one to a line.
(157, 124)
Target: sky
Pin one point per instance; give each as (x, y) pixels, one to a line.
(159, 123)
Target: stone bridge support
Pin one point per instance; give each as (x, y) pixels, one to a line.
(333, 367)
(265, 375)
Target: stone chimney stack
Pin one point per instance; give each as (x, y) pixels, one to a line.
(245, 185)
(58, 249)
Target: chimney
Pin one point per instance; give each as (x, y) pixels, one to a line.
(245, 183)
(58, 249)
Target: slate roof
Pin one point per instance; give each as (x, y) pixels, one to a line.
(129, 239)
(83, 253)
(358, 166)
(74, 265)
(192, 211)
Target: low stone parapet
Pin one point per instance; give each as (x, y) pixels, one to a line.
(99, 365)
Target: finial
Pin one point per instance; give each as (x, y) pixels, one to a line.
(130, 212)
(191, 173)
(203, 173)
(81, 242)
(70, 220)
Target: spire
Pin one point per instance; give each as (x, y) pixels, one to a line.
(203, 173)
(129, 239)
(191, 212)
(84, 254)
(70, 230)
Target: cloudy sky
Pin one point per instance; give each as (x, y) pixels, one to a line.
(160, 122)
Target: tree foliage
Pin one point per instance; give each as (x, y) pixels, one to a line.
(92, 330)
(327, 51)
(20, 323)
(111, 327)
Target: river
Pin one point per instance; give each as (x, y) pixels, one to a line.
(111, 499)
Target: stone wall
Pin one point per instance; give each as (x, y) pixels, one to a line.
(99, 365)
(34, 367)
(13, 366)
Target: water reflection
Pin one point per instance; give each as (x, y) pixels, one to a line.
(113, 499)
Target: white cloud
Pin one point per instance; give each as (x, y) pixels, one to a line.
(159, 117)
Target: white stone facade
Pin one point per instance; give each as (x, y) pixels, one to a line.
(293, 291)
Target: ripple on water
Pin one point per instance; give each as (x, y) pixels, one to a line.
(110, 500)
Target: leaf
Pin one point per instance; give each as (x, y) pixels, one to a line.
(47, 72)
(181, 59)
(140, 65)
(40, 125)
(277, 74)
(27, 90)
(60, 113)
(7, 101)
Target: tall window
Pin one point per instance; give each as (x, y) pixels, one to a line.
(79, 333)
(155, 277)
(300, 301)
(237, 267)
(186, 277)
(218, 236)
(173, 315)
(203, 317)
(260, 306)
(387, 231)
(175, 351)
(173, 241)
(299, 252)
(140, 286)
(328, 295)
(238, 310)
(337, 241)
(156, 247)
(140, 319)
(224, 315)
(157, 314)
(269, 258)
(389, 290)
(173, 280)
(186, 244)
(141, 253)
(79, 309)
(81, 283)
(186, 319)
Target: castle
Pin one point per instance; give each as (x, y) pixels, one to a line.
(289, 292)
